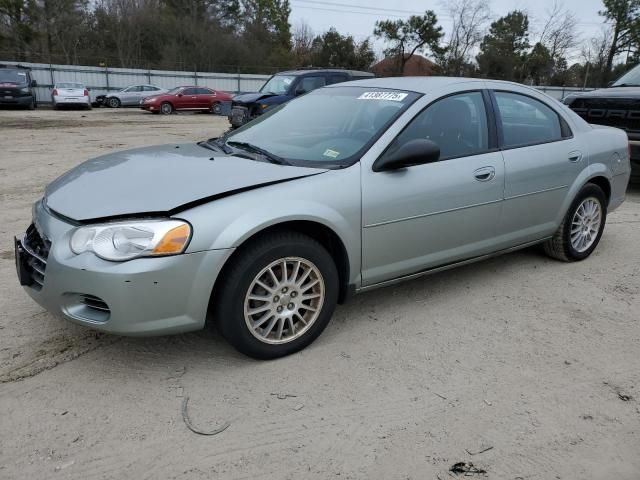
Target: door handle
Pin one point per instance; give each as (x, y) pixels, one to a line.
(575, 156)
(485, 174)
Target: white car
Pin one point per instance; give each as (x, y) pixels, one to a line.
(70, 93)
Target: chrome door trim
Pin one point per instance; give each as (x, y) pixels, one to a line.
(422, 215)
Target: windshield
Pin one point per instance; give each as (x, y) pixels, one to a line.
(329, 126)
(629, 79)
(278, 84)
(69, 85)
(173, 91)
(13, 76)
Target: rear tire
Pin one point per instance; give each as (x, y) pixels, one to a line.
(216, 108)
(281, 325)
(582, 227)
(166, 108)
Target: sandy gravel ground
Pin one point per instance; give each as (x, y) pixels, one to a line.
(535, 361)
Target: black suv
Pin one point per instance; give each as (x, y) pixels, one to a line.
(17, 88)
(284, 86)
(616, 106)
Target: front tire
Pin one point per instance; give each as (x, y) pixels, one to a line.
(113, 102)
(166, 108)
(277, 295)
(582, 227)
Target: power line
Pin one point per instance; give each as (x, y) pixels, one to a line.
(377, 11)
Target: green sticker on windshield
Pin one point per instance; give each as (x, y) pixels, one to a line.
(331, 153)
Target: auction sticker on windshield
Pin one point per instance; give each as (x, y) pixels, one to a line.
(393, 96)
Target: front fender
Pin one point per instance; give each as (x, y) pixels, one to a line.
(331, 199)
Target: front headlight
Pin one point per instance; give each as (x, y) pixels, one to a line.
(25, 90)
(127, 240)
(264, 106)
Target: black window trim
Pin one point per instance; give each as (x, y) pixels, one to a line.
(491, 120)
(564, 125)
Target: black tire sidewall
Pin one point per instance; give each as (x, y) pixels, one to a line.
(114, 103)
(229, 314)
(589, 190)
(162, 108)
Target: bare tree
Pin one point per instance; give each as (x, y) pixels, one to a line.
(559, 33)
(470, 18)
(595, 54)
(302, 40)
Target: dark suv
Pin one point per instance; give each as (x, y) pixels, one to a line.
(284, 86)
(616, 106)
(17, 86)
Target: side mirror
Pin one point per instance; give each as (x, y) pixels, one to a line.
(415, 152)
(180, 94)
(34, 83)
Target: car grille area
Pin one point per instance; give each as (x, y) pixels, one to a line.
(36, 249)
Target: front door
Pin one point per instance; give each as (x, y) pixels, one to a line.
(437, 213)
(187, 99)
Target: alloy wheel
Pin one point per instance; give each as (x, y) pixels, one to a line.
(585, 224)
(284, 300)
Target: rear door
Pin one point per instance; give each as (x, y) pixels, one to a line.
(131, 96)
(542, 160)
(206, 97)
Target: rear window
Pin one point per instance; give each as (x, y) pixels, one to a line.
(69, 85)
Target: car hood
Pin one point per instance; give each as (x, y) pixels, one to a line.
(611, 92)
(246, 98)
(161, 180)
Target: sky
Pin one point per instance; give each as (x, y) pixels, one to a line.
(347, 17)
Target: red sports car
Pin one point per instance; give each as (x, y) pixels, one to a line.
(186, 98)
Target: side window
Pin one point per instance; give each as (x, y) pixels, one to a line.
(190, 91)
(308, 84)
(458, 124)
(149, 88)
(137, 88)
(527, 121)
(336, 79)
(205, 91)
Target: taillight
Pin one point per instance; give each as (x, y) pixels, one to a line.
(86, 92)
(55, 92)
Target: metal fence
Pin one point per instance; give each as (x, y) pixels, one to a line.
(101, 80)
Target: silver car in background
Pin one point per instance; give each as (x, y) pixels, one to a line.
(132, 95)
(348, 188)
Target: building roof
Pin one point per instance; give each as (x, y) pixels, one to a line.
(416, 65)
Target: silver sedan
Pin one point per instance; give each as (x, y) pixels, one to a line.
(132, 95)
(348, 188)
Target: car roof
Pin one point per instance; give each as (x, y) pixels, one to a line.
(413, 84)
(323, 70)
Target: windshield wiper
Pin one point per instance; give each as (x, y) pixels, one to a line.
(218, 143)
(261, 151)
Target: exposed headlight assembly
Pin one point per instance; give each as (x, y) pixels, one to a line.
(127, 240)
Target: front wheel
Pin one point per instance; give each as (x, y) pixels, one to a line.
(277, 296)
(582, 227)
(166, 108)
(113, 102)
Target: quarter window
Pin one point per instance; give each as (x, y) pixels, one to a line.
(526, 121)
(458, 124)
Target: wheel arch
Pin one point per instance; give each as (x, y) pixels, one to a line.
(597, 174)
(320, 232)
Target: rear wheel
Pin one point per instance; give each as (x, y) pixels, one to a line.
(582, 227)
(166, 108)
(277, 296)
(113, 102)
(216, 108)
